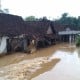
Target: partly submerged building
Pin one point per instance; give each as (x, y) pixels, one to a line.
(17, 34)
(11, 26)
(42, 31)
(66, 33)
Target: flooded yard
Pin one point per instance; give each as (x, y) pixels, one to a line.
(58, 62)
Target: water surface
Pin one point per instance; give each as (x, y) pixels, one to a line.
(58, 62)
(68, 68)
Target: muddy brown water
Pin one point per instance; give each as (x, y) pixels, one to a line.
(58, 62)
(68, 68)
(17, 57)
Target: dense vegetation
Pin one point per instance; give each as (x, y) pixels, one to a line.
(33, 18)
(78, 41)
(65, 19)
(69, 20)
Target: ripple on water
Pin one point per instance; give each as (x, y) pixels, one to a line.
(67, 69)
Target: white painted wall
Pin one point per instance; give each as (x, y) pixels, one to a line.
(3, 45)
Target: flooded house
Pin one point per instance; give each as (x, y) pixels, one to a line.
(11, 31)
(42, 32)
(19, 35)
(66, 33)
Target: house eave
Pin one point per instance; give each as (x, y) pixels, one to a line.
(68, 32)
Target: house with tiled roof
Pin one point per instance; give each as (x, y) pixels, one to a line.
(43, 31)
(66, 33)
(11, 26)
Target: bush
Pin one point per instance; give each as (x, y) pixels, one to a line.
(78, 41)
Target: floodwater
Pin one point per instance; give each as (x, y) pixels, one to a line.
(17, 57)
(58, 62)
(68, 68)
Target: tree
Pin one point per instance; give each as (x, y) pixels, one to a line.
(64, 15)
(30, 18)
(1, 11)
(78, 21)
(44, 18)
(33, 18)
(68, 20)
(6, 11)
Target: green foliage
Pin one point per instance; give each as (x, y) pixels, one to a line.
(6, 11)
(33, 18)
(69, 20)
(78, 21)
(78, 41)
(30, 18)
(64, 15)
(65, 20)
(1, 11)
